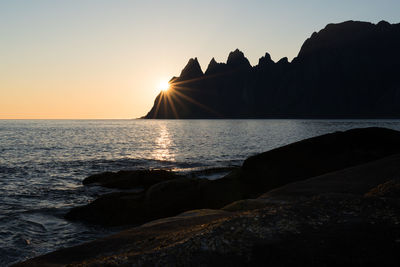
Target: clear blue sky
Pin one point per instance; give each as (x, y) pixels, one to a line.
(105, 59)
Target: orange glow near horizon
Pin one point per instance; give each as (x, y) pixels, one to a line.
(75, 60)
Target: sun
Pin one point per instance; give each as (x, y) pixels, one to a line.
(164, 86)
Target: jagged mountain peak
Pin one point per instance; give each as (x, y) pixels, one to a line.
(191, 70)
(342, 34)
(236, 58)
(346, 70)
(215, 67)
(265, 60)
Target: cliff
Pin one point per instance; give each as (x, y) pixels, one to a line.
(346, 70)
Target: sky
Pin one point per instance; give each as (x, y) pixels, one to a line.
(98, 59)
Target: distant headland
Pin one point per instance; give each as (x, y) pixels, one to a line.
(346, 70)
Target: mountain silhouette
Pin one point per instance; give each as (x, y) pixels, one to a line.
(346, 70)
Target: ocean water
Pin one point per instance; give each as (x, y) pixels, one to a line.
(43, 162)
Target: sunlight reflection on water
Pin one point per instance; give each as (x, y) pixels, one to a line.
(163, 143)
(42, 164)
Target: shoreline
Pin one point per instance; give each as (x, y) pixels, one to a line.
(313, 188)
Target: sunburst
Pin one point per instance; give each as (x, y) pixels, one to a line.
(173, 93)
(164, 86)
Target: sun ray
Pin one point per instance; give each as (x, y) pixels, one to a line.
(172, 93)
(177, 99)
(158, 106)
(197, 103)
(164, 103)
(204, 77)
(172, 105)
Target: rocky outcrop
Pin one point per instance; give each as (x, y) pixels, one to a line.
(318, 155)
(163, 199)
(135, 179)
(372, 178)
(259, 174)
(329, 220)
(346, 70)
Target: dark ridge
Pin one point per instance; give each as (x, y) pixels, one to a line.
(346, 70)
(265, 60)
(191, 70)
(214, 67)
(236, 59)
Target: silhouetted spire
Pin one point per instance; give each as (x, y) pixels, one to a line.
(237, 59)
(346, 70)
(212, 63)
(191, 70)
(265, 60)
(215, 67)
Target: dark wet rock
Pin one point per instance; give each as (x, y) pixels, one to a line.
(389, 189)
(164, 199)
(376, 177)
(192, 214)
(114, 209)
(348, 217)
(155, 235)
(130, 179)
(246, 204)
(292, 163)
(173, 197)
(316, 156)
(216, 194)
(323, 230)
(212, 173)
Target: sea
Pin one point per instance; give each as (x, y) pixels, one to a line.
(43, 163)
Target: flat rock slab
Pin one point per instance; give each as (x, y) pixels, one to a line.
(151, 237)
(318, 155)
(307, 224)
(321, 231)
(354, 180)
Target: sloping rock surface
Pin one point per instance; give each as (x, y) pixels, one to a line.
(319, 228)
(259, 174)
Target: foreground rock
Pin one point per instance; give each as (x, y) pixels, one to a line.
(259, 174)
(378, 178)
(130, 179)
(318, 155)
(164, 199)
(374, 179)
(350, 217)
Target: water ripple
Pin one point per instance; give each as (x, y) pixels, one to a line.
(42, 164)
